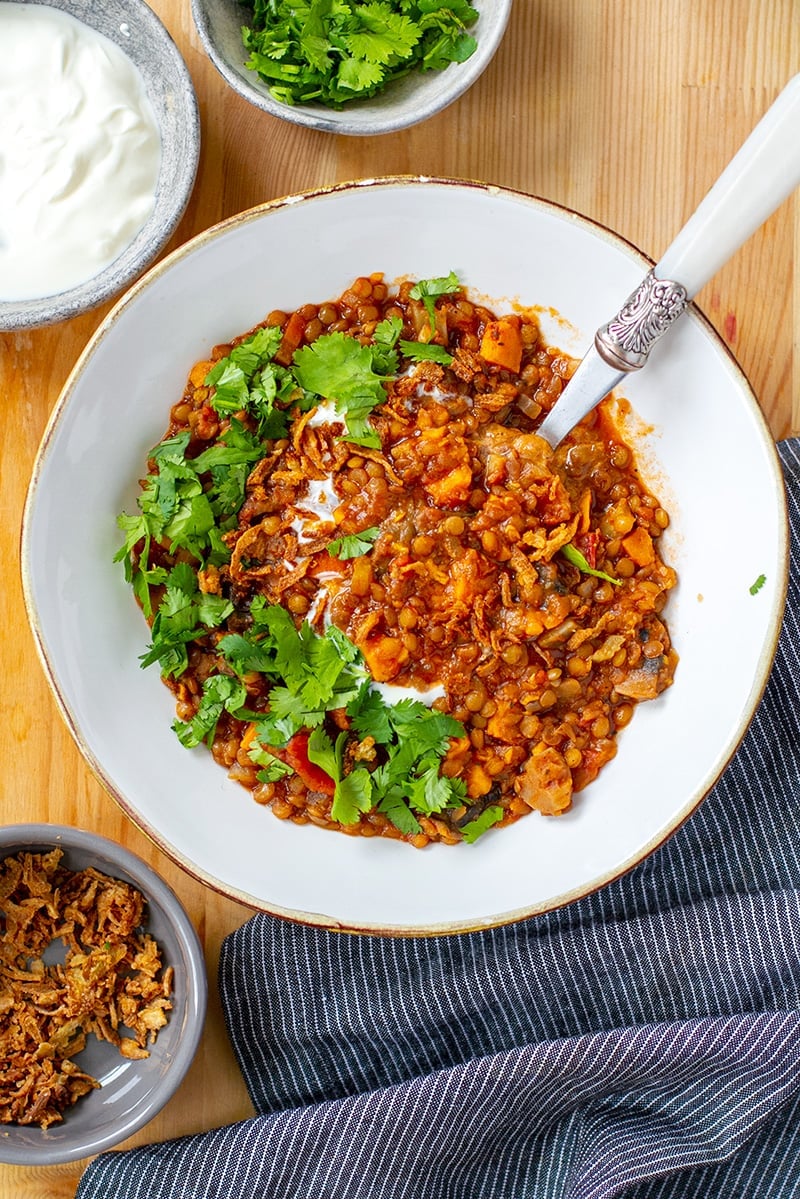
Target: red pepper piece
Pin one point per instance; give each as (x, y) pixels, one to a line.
(314, 777)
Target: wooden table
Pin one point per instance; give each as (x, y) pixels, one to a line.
(623, 110)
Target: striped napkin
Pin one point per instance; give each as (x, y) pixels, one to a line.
(644, 1041)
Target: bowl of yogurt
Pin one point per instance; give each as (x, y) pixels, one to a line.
(99, 146)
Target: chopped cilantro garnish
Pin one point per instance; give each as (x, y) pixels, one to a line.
(273, 768)
(332, 51)
(422, 351)
(574, 555)
(384, 338)
(353, 545)
(429, 290)
(184, 614)
(488, 817)
(759, 583)
(184, 504)
(220, 693)
(378, 756)
(340, 369)
(249, 381)
(315, 674)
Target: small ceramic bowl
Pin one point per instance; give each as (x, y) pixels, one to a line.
(131, 1091)
(405, 102)
(134, 27)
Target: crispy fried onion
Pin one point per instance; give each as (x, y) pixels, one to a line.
(111, 983)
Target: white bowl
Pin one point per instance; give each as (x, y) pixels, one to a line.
(135, 28)
(704, 446)
(132, 1091)
(405, 102)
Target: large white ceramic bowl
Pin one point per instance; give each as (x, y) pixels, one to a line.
(404, 102)
(704, 446)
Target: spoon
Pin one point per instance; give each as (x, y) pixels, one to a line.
(756, 181)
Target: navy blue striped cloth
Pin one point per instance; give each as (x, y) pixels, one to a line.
(644, 1041)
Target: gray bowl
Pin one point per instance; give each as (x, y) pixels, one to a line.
(134, 27)
(131, 1092)
(405, 102)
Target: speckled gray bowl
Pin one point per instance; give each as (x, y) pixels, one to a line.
(138, 31)
(131, 1092)
(405, 102)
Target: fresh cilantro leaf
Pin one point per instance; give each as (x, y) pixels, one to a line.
(370, 716)
(357, 75)
(397, 810)
(249, 381)
(339, 368)
(574, 556)
(449, 47)
(185, 613)
(431, 792)
(353, 545)
(382, 36)
(425, 351)
(245, 655)
(430, 730)
(429, 290)
(384, 340)
(273, 768)
(276, 770)
(220, 693)
(488, 817)
(352, 796)
(759, 583)
(388, 330)
(325, 753)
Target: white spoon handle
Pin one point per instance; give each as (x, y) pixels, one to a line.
(759, 178)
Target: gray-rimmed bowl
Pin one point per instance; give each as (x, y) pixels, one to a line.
(405, 102)
(135, 28)
(131, 1092)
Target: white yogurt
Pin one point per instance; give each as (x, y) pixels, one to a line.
(325, 413)
(393, 694)
(79, 152)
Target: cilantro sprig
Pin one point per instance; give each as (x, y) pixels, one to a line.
(429, 290)
(331, 51)
(576, 558)
(184, 614)
(186, 504)
(249, 380)
(353, 545)
(341, 369)
(426, 351)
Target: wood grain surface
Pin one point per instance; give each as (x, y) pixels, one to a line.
(624, 110)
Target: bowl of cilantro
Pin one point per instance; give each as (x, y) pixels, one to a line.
(357, 67)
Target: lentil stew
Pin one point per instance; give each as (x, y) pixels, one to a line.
(383, 602)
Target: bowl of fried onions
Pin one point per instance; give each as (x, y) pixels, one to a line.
(103, 993)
